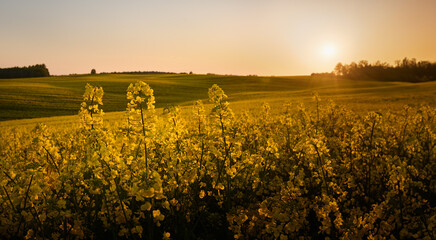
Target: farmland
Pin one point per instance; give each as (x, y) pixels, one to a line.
(61, 95)
(256, 157)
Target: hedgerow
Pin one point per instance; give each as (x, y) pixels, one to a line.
(308, 173)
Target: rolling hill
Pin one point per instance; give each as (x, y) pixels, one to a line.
(62, 95)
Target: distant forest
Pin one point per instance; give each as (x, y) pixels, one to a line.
(406, 70)
(140, 72)
(38, 70)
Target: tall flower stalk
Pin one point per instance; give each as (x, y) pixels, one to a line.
(140, 109)
(90, 113)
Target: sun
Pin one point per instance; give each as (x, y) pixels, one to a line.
(329, 50)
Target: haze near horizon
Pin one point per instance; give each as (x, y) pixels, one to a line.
(225, 37)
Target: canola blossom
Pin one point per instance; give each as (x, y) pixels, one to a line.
(305, 173)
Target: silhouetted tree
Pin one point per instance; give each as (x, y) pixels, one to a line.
(339, 69)
(407, 70)
(38, 70)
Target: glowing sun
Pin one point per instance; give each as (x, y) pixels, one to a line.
(329, 51)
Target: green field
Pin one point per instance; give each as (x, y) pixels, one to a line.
(62, 95)
(311, 169)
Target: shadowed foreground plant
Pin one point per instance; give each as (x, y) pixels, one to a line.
(309, 173)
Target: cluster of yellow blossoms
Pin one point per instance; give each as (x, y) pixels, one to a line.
(304, 173)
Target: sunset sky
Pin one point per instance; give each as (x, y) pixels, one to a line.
(268, 37)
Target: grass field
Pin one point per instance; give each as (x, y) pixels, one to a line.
(313, 170)
(61, 95)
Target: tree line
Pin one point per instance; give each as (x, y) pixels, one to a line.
(406, 70)
(139, 72)
(38, 70)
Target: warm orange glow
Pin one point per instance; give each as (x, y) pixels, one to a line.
(224, 37)
(329, 51)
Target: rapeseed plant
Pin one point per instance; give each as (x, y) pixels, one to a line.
(321, 172)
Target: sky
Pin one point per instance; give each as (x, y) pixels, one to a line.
(262, 37)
